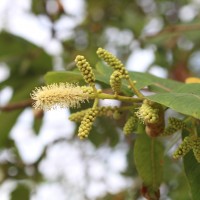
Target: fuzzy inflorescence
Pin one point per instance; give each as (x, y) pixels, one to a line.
(63, 95)
(147, 113)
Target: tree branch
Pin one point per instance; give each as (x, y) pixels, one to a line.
(15, 106)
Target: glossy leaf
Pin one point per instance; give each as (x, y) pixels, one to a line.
(185, 99)
(148, 156)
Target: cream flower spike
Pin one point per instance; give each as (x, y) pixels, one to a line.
(62, 95)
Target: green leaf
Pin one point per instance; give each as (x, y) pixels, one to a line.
(62, 76)
(155, 83)
(192, 171)
(185, 99)
(148, 156)
(20, 192)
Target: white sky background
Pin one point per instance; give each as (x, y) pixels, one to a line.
(65, 160)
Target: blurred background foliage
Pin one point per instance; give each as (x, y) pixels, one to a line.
(169, 28)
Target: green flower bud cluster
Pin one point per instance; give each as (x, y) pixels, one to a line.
(130, 125)
(115, 81)
(86, 69)
(120, 71)
(152, 114)
(102, 111)
(169, 131)
(176, 123)
(112, 61)
(196, 149)
(78, 116)
(148, 113)
(108, 111)
(184, 147)
(87, 90)
(87, 122)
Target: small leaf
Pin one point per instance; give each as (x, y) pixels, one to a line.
(185, 99)
(148, 156)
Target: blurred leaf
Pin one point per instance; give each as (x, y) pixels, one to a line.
(21, 192)
(175, 179)
(38, 7)
(148, 156)
(64, 76)
(185, 99)
(22, 56)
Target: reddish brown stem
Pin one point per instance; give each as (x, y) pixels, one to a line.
(17, 105)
